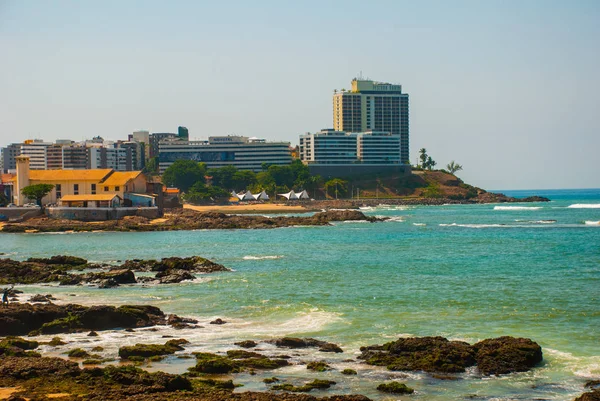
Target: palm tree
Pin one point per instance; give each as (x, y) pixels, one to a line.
(453, 167)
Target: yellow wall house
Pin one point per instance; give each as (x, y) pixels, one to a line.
(77, 183)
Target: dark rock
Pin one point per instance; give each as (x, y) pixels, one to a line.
(504, 355)
(92, 334)
(42, 298)
(108, 283)
(60, 260)
(593, 395)
(31, 367)
(178, 322)
(395, 388)
(349, 372)
(218, 321)
(149, 350)
(315, 384)
(174, 276)
(318, 366)
(294, 342)
(436, 354)
(246, 344)
(429, 354)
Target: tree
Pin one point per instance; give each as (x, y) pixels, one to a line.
(242, 179)
(430, 163)
(223, 177)
(151, 167)
(453, 167)
(3, 199)
(183, 174)
(199, 192)
(423, 157)
(37, 192)
(337, 186)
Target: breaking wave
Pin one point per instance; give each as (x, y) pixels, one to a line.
(585, 206)
(473, 225)
(592, 223)
(517, 207)
(250, 257)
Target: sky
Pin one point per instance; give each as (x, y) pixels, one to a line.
(508, 89)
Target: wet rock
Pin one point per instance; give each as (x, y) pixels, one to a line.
(92, 334)
(42, 298)
(192, 264)
(395, 388)
(504, 355)
(30, 367)
(218, 321)
(108, 283)
(178, 322)
(246, 344)
(213, 363)
(436, 354)
(150, 350)
(429, 354)
(295, 342)
(349, 372)
(318, 366)
(593, 395)
(315, 384)
(60, 260)
(173, 276)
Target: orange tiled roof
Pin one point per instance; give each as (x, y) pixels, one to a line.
(121, 177)
(7, 178)
(68, 175)
(97, 197)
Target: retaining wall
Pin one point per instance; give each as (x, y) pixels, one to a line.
(100, 213)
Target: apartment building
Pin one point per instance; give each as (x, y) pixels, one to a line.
(373, 106)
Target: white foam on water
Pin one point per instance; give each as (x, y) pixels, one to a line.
(592, 223)
(397, 219)
(536, 221)
(517, 207)
(419, 224)
(250, 257)
(474, 225)
(581, 366)
(585, 206)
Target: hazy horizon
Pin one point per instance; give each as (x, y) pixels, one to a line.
(509, 90)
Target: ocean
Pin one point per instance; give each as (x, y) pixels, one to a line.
(465, 272)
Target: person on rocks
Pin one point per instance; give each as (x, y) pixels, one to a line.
(5, 293)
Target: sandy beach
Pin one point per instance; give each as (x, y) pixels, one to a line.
(250, 208)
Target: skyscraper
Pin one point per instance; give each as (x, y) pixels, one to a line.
(183, 133)
(373, 106)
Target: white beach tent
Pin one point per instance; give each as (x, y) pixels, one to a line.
(289, 196)
(261, 196)
(245, 196)
(302, 195)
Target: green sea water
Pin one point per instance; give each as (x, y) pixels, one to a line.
(464, 272)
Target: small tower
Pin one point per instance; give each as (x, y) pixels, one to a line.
(22, 179)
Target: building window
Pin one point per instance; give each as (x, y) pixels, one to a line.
(75, 189)
(105, 189)
(93, 189)
(117, 189)
(58, 191)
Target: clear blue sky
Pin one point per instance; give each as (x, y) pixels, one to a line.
(510, 89)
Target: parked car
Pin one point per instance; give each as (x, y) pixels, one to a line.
(11, 205)
(30, 205)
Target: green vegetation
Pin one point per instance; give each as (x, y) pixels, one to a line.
(236, 361)
(395, 388)
(37, 192)
(453, 167)
(151, 167)
(183, 174)
(337, 187)
(426, 160)
(349, 372)
(150, 350)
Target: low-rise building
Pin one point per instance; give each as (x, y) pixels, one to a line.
(82, 182)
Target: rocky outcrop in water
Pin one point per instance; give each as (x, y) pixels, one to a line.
(22, 319)
(436, 354)
(294, 342)
(59, 269)
(186, 219)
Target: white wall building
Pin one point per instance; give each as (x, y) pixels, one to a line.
(242, 152)
(37, 150)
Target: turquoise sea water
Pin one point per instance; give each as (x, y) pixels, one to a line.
(461, 271)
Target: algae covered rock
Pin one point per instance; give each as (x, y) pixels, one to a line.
(438, 355)
(30, 367)
(395, 388)
(150, 350)
(318, 366)
(429, 354)
(295, 342)
(504, 355)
